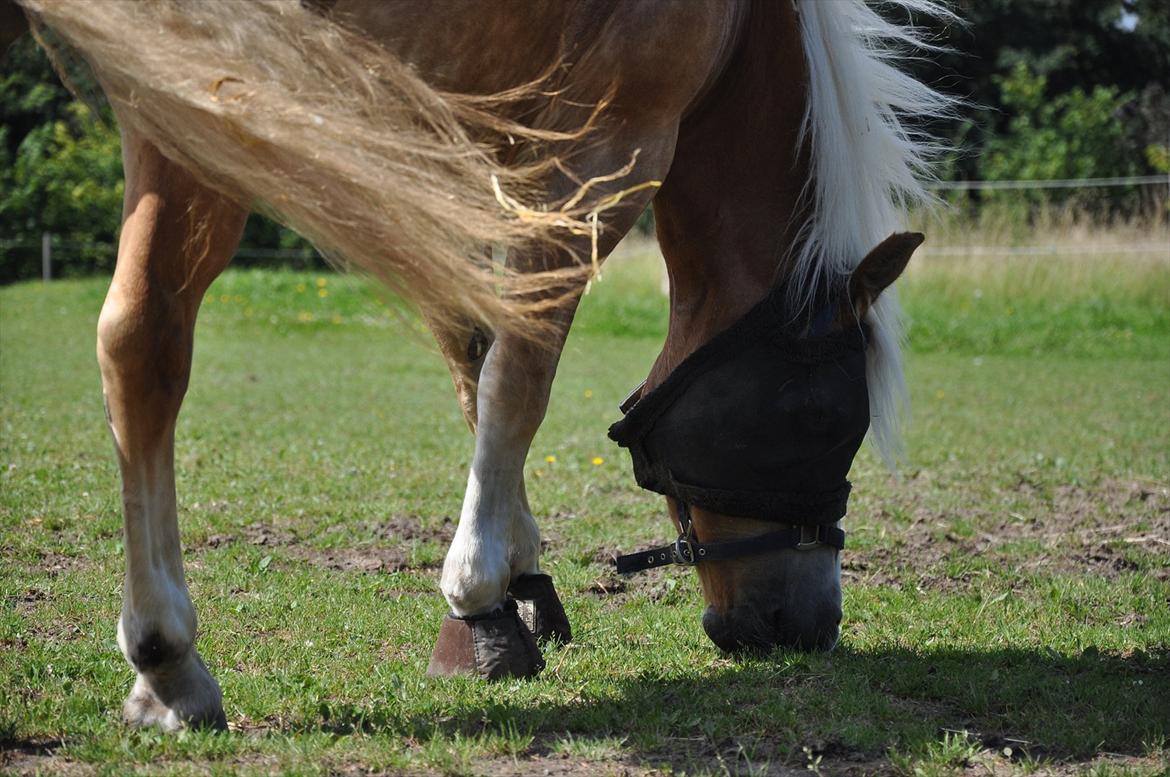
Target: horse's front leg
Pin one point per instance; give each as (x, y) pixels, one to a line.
(496, 550)
(498, 540)
(176, 237)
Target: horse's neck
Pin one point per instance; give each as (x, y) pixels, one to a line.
(730, 212)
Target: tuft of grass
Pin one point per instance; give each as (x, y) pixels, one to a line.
(950, 755)
(588, 748)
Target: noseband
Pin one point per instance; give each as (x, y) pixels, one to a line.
(761, 422)
(688, 551)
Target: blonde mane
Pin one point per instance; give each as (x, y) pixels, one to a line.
(868, 168)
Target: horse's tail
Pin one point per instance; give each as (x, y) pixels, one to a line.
(286, 111)
(868, 166)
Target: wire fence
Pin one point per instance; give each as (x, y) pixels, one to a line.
(1104, 249)
(52, 248)
(1052, 183)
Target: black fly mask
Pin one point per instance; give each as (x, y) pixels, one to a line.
(761, 422)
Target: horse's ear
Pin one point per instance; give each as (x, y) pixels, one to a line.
(879, 269)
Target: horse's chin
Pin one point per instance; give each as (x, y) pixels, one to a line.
(790, 599)
(751, 632)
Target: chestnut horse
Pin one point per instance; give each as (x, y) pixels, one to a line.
(400, 136)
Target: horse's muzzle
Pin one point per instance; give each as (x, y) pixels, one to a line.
(747, 630)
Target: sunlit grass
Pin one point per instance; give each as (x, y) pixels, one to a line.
(318, 416)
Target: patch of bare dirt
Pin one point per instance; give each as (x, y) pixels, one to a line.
(370, 560)
(253, 534)
(681, 757)
(609, 584)
(27, 601)
(391, 553)
(38, 757)
(994, 755)
(1112, 529)
(397, 529)
(658, 586)
(54, 563)
(385, 545)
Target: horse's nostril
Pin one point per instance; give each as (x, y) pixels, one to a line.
(719, 629)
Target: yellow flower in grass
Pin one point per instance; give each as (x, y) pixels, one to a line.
(588, 393)
(598, 461)
(550, 459)
(322, 292)
(322, 282)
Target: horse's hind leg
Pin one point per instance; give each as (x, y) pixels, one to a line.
(177, 236)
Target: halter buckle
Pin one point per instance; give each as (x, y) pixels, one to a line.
(803, 544)
(684, 551)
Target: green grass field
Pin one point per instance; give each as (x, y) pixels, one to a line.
(1007, 604)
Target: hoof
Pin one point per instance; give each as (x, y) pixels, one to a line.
(493, 646)
(181, 696)
(540, 608)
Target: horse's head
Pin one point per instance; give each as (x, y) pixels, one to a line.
(751, 438)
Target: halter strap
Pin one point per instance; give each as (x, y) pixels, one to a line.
(687, 551)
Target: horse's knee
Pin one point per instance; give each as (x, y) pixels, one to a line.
(144, 346)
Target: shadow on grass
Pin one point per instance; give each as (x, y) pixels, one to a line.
(851, 704)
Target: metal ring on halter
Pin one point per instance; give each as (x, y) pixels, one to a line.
(816, 540)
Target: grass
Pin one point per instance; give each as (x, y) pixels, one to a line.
(1006, 599)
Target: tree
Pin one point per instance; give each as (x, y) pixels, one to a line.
(61, 173)
(1077, 134)
(1071, 44)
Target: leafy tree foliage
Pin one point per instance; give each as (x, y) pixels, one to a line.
(61, 173)
(1054, 89)
(1073, 135)
(1120, 45)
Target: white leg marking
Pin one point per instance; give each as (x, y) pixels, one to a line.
(497, 538)
(476, 571)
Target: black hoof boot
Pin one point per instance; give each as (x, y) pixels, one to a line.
(492, 646)
(541, 609)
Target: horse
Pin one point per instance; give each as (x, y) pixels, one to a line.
(407, 140)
